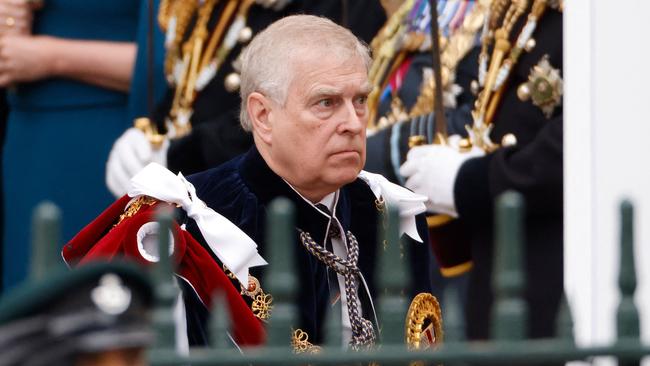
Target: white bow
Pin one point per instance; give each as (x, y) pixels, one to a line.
(231, 245)
(409, 203)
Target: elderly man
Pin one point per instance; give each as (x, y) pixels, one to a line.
(304, 90)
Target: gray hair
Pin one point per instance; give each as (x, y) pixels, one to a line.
(266, 61)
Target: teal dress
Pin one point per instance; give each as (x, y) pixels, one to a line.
(60, 131)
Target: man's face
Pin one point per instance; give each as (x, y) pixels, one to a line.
(319, 135)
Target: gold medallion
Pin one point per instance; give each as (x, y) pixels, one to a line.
(424, 323)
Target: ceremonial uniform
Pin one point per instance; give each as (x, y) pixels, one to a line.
(517, 134)
(216, 135)
(532, 167)
(405, 107)
(241, 191)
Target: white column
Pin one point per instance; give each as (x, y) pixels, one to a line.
(607, 148)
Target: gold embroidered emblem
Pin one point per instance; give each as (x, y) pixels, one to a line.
(300, 343)
(262, 302)
(424, 323)
(544, 87)
(134, 207)
(262, 306)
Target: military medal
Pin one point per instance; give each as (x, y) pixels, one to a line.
(543, 88)
(423, 329)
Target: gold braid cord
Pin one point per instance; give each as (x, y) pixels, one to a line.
(424, 323)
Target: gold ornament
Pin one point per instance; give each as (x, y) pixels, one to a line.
(424, 323)
(300, 343)
(253, 287)
(262, 302)
(145, 125)
(135, 206)
(262, 306)
(545, 86)
(416, 140)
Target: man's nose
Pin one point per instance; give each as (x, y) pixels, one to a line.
(354, 119)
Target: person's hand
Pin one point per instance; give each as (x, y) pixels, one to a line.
(25, 58)
(15, 17)
(431, 171)
(130, 153)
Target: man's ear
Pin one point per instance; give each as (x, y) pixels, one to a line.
(259, 111)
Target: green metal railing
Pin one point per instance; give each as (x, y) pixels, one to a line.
(508, 318)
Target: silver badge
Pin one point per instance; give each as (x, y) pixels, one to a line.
(110, 296)
(544, 87)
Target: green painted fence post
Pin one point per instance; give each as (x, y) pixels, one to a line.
(452, 315)
(564, 323)
(392, 280)
(627, 315)
(219, 323)
(334, 329)
(46, 237)
(165, 289)
(281, 275)
(510, 311)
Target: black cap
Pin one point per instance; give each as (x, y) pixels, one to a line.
(93, 308)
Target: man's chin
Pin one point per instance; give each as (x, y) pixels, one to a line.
(346, 175)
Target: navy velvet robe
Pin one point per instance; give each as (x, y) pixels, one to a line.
(241, 190)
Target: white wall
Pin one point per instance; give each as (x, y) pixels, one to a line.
(607, 148)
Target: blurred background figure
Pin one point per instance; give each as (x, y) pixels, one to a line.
(67, 67)
(97, 315)
(515, 143)
(402, 108)
(4, 110)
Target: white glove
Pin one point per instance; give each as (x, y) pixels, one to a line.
(432, 170)
(130, 153)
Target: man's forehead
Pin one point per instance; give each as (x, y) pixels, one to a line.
(330, 74)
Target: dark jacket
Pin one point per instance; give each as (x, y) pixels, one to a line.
(534, 168)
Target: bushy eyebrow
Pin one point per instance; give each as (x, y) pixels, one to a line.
(330, 92)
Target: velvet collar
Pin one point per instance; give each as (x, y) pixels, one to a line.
(267, 185)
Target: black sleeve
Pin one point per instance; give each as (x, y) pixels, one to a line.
(209, 144)
(535, 170)
(421, 259)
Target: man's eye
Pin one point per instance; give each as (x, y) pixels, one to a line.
(325, 103)
(362, 100)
